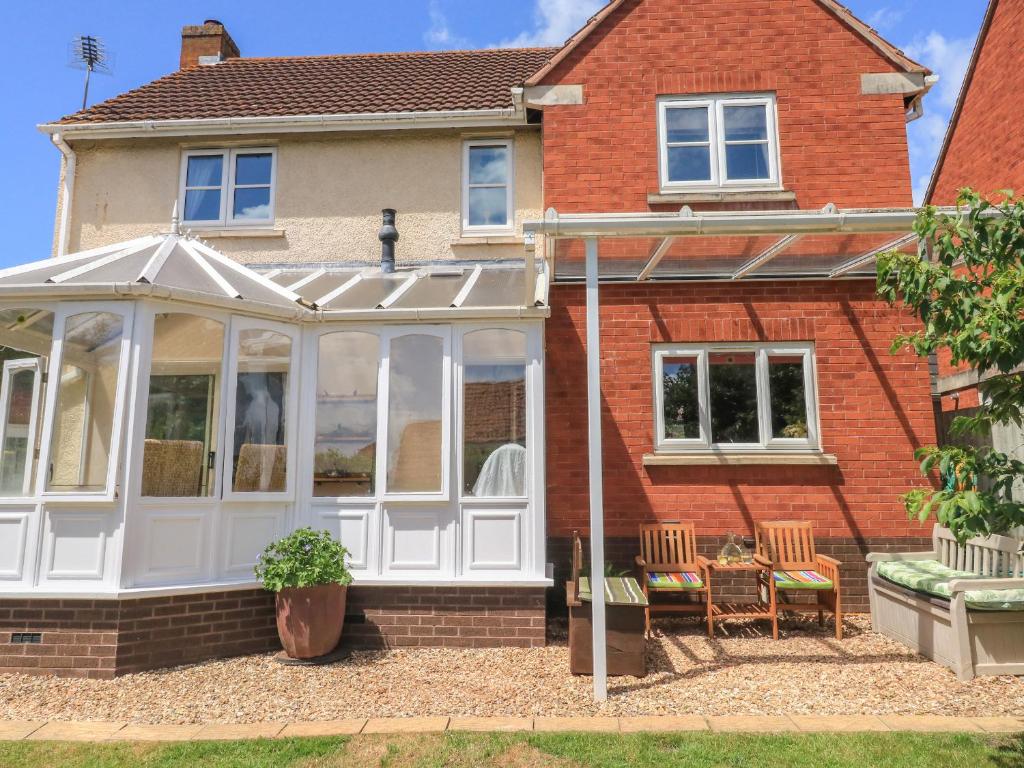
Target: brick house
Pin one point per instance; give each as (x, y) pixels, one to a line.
(258, 367)
(983, 149)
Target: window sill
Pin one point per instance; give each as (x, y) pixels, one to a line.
(251, 232)
(721, 196)
(482, 239)
(708, 458)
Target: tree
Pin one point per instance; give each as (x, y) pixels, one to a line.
(967, 288)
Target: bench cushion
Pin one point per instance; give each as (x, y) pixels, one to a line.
(800, 580)
(618, 590)
(677, 580)
(931, 577)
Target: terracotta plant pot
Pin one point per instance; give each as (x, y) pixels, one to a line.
(310, 619)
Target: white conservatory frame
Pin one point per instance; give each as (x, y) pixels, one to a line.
(119, 543)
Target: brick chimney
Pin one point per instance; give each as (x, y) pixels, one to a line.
(206, 44)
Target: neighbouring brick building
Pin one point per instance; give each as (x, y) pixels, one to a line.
(434, 419)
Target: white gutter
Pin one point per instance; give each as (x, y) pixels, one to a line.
(687, 223)
(456, 118)
(66, 192)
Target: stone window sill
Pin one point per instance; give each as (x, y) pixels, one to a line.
(727, 196)
(487, 240)
(705, 458)
(242, 232)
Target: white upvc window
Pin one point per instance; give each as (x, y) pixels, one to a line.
(737, 397)
(718, 142)
(228, 187)
(487, 187)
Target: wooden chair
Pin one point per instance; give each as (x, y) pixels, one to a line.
(668, 563)
(789, 547)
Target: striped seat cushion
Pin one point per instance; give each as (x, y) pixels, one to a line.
(618, 590)
(683, 580)
(801, 580)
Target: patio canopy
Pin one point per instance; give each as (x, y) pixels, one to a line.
(179, 267)
(726, 245)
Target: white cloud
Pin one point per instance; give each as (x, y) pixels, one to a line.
(439, 34)
(886, 17)
(948, 58)
(554, 21)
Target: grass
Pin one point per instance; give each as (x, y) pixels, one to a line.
(541, 750)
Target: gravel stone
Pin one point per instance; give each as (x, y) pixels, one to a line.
(807, 672)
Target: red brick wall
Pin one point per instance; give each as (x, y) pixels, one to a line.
(836, 144)
(875, 409)
(986, 149)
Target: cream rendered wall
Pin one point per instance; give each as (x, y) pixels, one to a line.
(330, 189)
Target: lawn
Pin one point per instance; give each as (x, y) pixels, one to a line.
(560, 750)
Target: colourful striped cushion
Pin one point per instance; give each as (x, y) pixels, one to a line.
(618, 590)
(801, 580)
(684, 580)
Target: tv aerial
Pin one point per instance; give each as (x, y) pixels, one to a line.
(90, 53)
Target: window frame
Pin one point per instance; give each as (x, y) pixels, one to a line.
(10, 369)
(61, 314)
(716, 135)
(762, 352)
(291, 410)
(227, 219)
(483, 230)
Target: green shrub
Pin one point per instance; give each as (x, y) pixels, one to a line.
(303, 558)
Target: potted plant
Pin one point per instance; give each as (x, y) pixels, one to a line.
(306, 569)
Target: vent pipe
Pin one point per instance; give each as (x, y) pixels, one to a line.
(388, 236)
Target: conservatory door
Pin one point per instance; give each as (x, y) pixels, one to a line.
(19, 406)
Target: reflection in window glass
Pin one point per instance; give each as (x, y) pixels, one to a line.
(494, 413)
(204, 177)
(487, 185)
(788, 398)
(346, 414)
(252, 185)
(689, 144)
(83, 419)
(25, 339)
(415, 402)
(261, 387)
(679, 398)
(732, 380)
(181, 417)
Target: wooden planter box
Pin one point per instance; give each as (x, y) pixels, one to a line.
(625, 637)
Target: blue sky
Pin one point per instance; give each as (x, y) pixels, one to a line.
(144, 37)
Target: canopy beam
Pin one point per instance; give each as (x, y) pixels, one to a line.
(657, 254)
(869, 256)
(765, 256)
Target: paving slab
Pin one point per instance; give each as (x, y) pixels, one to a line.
(751, 723)
(999, 724)
(839, 723)
(14, 730)
(930, 723)
(347, 727)
(586, 724)
(405, 725)
(227, 731)
(491, 724)
(144, 732)
(77, 730)
(662, 723)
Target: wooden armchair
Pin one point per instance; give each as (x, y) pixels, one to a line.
(789, 547)
(668, 563)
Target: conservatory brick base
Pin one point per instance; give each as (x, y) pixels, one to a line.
(106, 638)
(851, 552)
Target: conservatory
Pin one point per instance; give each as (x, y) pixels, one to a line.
(166, 412)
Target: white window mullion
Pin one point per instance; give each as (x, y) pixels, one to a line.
(704, 397)
(764, 404)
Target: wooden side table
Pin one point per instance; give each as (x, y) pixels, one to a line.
(756, 610)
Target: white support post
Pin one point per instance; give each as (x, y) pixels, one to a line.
(596, 474)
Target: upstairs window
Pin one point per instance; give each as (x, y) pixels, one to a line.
(720, 141)
(735, 396)
(228, 187)
(487, 187)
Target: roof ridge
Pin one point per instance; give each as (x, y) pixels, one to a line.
(384, 54)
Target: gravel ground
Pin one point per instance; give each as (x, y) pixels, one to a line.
(806, 672)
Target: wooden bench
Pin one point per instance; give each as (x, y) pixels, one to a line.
(970, 621)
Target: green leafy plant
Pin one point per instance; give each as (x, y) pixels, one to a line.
(303, 558)
(967, 288)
